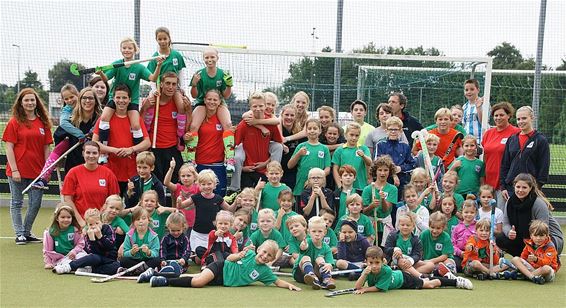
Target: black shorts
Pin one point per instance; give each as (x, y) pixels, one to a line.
(217, 268)
(411, 282)
(131, 106)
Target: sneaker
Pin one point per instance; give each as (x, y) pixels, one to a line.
(443, 269)
(312, 280)
(169, 271)
(158, 281)
(510, 274)
(40, 184)
(138, 271)
(463, 283)
(62, 268)
(538, 279)
(230, 165)
(328, 284)
(480, 276)
(33, 239)
(146, 276)
(504, 263)
(21, 240)
(449, 275)
(86, 269)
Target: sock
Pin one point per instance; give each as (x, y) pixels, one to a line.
(307, 268)
(48, 168)
(104, 131)
(324, 275)
(181, 123)
(184, 282)
(445, 282)
(148, 118)
(138, 136)
(228, 138)
(192, 146)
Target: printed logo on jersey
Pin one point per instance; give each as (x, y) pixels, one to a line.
(326, 240)
(253, 226)
(409, 250)
(175, 61)
(477, 168)
(320, 154)
(219, 127)
(174, 114)
(71, 237)
(42, 131)
(504, 140)
(132, 76)
(361, 228)
(385, 194)
(56, 243)
(438, 246)
(155, 223)
(218, 83)
(102, 182)
(530, 145)
(254, 274)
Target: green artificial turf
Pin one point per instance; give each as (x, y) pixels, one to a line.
(24, 283)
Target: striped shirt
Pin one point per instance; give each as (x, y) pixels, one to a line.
(471, 120)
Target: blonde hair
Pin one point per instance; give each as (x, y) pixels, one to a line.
(300, 119)
(207, 175)
(146, 158)
(437, 218)
(138, 213)
(394, 121)
(92, 213)
(353, 198)
(176, 218)
(316, 221)
(451, 173)
(329, 110)
(443, 112)
(189, 168)
(256, 95)
(412, 217)
(483, 224)
(272, 96)
(248, 191)
(469, 203)
(432, 137)
(419, 173)
(470, 138)
(131, 41)
(79, 115)
(314, 172)
(113, 198)
(353, 125)
(266, 212)
(296, 218)
(538, 227)
(150, 192)
(222, 214)
(271, 246)
(488, 188)
(274, 165)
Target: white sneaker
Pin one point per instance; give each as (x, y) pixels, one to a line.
(62, 268)
(449, 275)
(463, 283)
(86, 269)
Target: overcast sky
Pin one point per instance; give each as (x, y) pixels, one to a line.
(89, 32)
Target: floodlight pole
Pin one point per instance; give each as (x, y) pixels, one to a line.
(19, 60)
(338, 61)
(538, 63)
(137, 25)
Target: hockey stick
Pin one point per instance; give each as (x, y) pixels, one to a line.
(118, 274)
(95, 275)
(340, 292)
(421, 135)
(59, 183)
(214, 45)
(493, 204)
(53, 164)
(258, 197)
(375, 212)
(459, 136)
(77, 72)
(157, 103)
(334, 273)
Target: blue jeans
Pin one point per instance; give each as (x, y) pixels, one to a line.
(16, 204)
(220, 170)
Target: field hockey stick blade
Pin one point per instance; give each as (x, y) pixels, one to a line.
(340, 292)
(118, 274)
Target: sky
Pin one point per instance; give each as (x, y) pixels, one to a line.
(89, 32)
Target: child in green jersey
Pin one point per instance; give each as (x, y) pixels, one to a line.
(62, 242)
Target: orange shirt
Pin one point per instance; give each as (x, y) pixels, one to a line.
(445, 141)
(546, 254)
(480, 252)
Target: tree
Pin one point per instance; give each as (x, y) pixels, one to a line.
(60, 74)
(31, 81)
(505, 56)
(7, 97)
(562, 67)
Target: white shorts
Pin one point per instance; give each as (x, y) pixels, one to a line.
(198, 240)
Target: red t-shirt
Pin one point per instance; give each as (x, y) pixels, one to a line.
(256, 146)
(167, 126)
(445, 140)
(523, 138)
(90, 189)
(185, 193)
(120, 137)
(29, 146)
(210, 148)
(493, 143)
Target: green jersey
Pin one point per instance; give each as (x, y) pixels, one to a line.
(174, 63)
(285, 233)
(469, 173)
(330, 238)
(252, 226)
(257, 238)
(452, 222)
(269, 196)
(246, 271)
(119, 222)
(317, 156)
(294, 245)
(129, 76)
(158, 223)
(209, 82)
(314, 252)
(65, 241)
(405, 245)
(345, 155)
(390, 192)
(365, 225)
(436, 247)
(386, 279)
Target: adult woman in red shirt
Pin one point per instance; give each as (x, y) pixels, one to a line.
(210, 147)
(27, 136)
(493, 143)
(87, 186)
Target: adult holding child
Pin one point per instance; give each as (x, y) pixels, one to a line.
(120, 148)
(526, 204)
(525, 152)
(27, 137)
(493, 143)
(88, 185)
